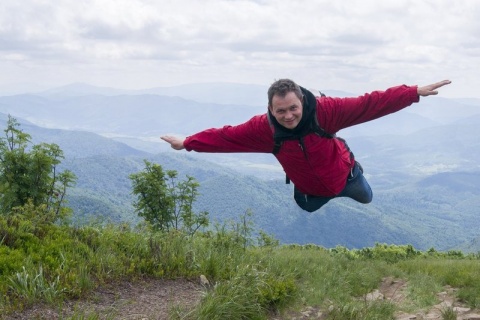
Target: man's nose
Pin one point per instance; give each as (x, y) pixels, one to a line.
(288, 115)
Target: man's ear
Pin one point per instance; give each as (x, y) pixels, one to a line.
(270, 108)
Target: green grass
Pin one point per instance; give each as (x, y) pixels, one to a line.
(55, 263)
(459, 273)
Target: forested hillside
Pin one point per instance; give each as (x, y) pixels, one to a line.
(421, 213)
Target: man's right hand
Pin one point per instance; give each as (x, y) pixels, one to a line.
(175, 142)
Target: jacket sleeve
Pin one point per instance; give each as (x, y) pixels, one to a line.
(254, 135)
(335, 114)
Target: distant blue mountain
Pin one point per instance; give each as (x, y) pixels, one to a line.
(81, 89)
(187, 109)
(124, 115)
(455, 181)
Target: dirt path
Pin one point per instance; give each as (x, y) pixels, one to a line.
(142, 300)
(154, 299)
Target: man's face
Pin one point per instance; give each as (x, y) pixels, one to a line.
(287, 110)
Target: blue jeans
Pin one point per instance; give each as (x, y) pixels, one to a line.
(356, 188)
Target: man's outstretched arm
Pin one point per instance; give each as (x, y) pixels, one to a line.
(175, 142)
(254, 135)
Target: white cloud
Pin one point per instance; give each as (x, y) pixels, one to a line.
(356, 45)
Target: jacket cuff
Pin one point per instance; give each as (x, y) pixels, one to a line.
(186, 143)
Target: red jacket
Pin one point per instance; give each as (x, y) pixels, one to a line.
(324, 170)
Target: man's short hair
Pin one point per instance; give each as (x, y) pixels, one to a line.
(281, 88)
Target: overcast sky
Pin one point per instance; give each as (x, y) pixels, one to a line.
(349, 45)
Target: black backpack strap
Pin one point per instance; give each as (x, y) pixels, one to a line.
(277, 142)
(348, 148)
(319, 131)
(276, 146)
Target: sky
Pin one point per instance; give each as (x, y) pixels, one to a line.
(350, 45)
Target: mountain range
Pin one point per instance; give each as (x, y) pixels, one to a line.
(423, 162)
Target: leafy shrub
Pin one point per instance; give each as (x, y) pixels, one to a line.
(247, 295)
(32, 286)
(276, 290)
(389, 253)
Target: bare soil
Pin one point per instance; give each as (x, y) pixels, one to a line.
(155, 299)
(139, 300)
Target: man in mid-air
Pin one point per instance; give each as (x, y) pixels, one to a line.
(299, 129)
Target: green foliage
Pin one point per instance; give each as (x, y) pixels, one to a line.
(396, 253)
(164, 201)
(267, 240)
(243, 229)
(248, 294)
(30, 174)
(449, 314)
(276, 289)
(470, 295)
(389, 253)
(422, 290)
(225, 248)
(11, 260)
(230, 300)
(322, 276)
(356, 311)
(445, 270)
(31, 285)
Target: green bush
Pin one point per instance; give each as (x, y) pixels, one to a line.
(249, 294)
(32, 285)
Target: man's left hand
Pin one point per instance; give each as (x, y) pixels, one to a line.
(431, 89)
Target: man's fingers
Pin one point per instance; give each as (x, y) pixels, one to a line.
(440, 84)
(437, 85)
(168, 139)
(431, 88)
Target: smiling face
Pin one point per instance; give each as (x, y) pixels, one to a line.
(287, 110)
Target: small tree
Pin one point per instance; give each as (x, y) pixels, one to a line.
(166, 202)
(29, 174)
(184, 194)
